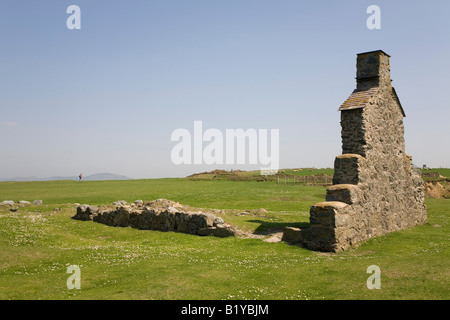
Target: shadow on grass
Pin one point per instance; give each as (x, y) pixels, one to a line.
(266, 227)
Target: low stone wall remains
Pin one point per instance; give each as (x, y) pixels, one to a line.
(160, 215)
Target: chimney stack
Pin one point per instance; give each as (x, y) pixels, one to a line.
(372, 70)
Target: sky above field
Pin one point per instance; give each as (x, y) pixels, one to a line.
(107, 97)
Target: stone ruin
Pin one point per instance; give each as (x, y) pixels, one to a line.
(375, 189)
(160, 215)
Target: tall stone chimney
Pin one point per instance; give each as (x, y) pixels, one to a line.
(375, 189)
(372, 70)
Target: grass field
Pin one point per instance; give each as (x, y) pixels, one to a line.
(38, 243)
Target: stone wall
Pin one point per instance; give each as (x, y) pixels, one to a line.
(375, 189)
(161, 215)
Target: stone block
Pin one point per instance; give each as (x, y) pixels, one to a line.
(347, 168)
(326, 214)
(347, 193)
(292, 235)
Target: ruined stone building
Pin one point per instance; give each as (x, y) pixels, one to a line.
(375, 190)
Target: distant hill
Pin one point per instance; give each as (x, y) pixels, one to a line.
(105, 176)
(92, 177)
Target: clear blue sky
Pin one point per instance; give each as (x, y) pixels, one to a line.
(106, 98)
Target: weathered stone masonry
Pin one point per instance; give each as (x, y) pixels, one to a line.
(375, 189)
(160, 214)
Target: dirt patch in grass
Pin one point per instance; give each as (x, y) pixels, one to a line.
(438, 190)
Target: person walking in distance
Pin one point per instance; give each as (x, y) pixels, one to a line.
(80, 176)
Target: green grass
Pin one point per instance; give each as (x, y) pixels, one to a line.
(38, 243)
(305, 175)
(442, 171)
